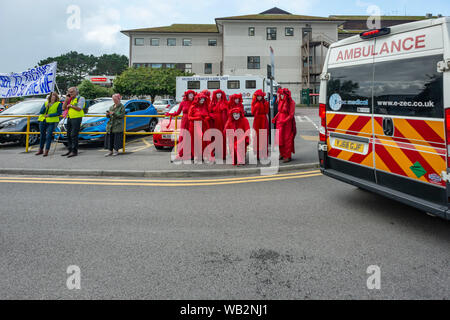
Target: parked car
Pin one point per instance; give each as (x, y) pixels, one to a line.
(164, 105)
(162, 141)
(2, 108)
(29, 107)
(98, 124)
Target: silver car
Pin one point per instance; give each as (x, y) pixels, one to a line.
(164, 105)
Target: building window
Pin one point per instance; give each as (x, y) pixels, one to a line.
(187, 42)
(188, 68)
(233, 84)
(171, 42)
(289, 32)
(212, 42)
(156, 65)
(138, 41)
(213, 84)
(271, 33)
(170, 66)
(253, 63)
(251, 31)
(193, 85)
(250, 84)
(208, 68)
(154, 42)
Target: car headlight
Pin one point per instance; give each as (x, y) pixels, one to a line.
(11, 123)
(158, 128)
(94, 124)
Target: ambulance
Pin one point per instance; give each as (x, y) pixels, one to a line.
(385, 113)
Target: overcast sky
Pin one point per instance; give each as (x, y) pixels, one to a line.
(36, 29)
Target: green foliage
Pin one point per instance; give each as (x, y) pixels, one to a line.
(110, 65)
(73, 67)
(147, 81)
(91, 91)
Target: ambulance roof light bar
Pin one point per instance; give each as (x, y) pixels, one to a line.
(375, 33)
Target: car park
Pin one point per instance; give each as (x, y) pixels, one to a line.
(167, 140)
(29, 107)
(98, 123)
(164, 105)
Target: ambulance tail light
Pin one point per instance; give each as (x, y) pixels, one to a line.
(323, 122)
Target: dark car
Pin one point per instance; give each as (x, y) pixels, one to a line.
(11, 124)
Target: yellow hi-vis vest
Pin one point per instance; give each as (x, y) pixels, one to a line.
(73, 114)
(50, 110)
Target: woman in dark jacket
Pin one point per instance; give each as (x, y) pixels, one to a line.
(115, 127)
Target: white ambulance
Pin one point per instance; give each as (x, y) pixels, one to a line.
(246, 85)
(385, 112)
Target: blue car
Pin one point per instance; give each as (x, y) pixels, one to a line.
(98, 124)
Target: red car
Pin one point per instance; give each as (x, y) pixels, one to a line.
(162, 141)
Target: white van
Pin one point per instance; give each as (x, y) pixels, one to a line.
(246, 85)
(385, 112)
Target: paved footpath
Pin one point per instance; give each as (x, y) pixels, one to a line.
(141, 155)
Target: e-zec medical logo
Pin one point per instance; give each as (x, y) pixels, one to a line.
(336, 102)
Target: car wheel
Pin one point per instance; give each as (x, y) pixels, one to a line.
(159, 147)
(152, 125)
(32, 138)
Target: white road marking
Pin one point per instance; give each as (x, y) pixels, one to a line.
(304, 119)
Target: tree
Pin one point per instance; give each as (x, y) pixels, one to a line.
(110, 65)
(73, 67)
(91, 91)
(147, 81)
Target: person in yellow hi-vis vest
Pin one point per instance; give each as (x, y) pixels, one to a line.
(48, 119)
(74, 104)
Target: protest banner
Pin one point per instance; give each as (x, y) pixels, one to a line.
(33, 82)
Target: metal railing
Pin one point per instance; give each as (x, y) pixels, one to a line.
(125, 132)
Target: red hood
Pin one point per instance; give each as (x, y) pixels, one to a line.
(214, 97)
(236, 110)
(258, 93)
(232, 104)
(187, 93)
(197, 99)
(286, 92)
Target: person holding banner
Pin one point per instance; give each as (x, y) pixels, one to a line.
(75, 105)
(48, 119)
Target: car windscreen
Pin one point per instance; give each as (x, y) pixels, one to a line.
(101, 107)
(24, 108)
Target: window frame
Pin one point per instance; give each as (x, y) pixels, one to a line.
(190, 87)
(212, 45)
(154, 45)
(170, 45)
(206, 64)
(253, 65)
(139, 45)
(247, 84)
(251, 31)
(229, 82)
(187, 45)
(286, 31)
(267, 33)
(215, 82)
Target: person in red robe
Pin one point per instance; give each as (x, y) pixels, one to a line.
(260, 110)
(235, 101)
(218, 112)
(285, 124)
(198, 123)
(237, 141)
(185, 106)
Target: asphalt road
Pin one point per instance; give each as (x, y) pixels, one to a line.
(302, 236)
